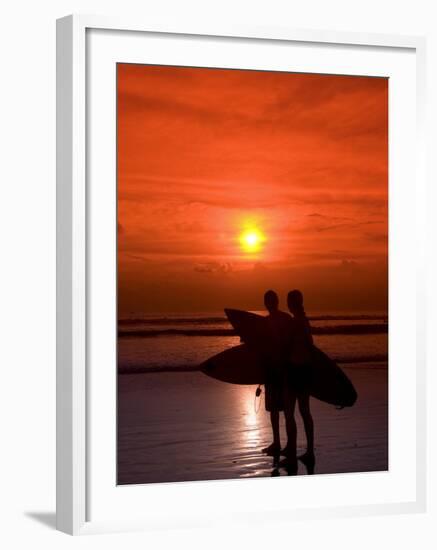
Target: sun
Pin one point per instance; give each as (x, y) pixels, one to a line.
(251, 240)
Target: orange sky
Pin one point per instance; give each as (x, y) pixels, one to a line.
(205, 153)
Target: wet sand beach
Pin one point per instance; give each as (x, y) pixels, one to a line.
(186, 426)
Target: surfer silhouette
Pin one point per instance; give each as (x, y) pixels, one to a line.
(276, 397)
(300, 357)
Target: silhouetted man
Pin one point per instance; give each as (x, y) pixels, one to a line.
(276, 392)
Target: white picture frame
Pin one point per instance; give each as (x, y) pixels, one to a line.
(75, 309)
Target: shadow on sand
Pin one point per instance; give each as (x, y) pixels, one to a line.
(277, 466)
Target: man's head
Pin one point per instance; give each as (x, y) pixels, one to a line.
(271, 301)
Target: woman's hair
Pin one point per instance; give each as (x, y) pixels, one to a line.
(295, 301)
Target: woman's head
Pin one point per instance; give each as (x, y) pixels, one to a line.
(295, 301)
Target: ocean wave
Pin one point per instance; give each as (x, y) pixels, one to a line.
(145, 369)
(169, 320)
(334, 329)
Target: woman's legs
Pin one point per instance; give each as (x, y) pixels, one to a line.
(290, 461)
(305, 411)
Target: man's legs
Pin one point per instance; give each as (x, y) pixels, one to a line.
(290, 422)
(274, 419)
(272, 405)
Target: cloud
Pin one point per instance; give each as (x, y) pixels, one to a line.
(214, 267)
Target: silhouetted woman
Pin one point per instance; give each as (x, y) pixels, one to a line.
(300, 357)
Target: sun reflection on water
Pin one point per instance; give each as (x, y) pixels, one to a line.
(251, 421)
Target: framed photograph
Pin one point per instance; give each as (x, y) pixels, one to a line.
(241, 269)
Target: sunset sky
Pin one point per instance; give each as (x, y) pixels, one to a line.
(232, 182)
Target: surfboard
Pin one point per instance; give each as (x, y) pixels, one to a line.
(250, 327)
(236, 365)
(328, 382)
(245, 364)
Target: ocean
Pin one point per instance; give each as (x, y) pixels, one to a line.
(180, 342)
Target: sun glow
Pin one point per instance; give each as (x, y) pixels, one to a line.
(251, 240)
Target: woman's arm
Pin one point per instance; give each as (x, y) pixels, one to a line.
(308, 332)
